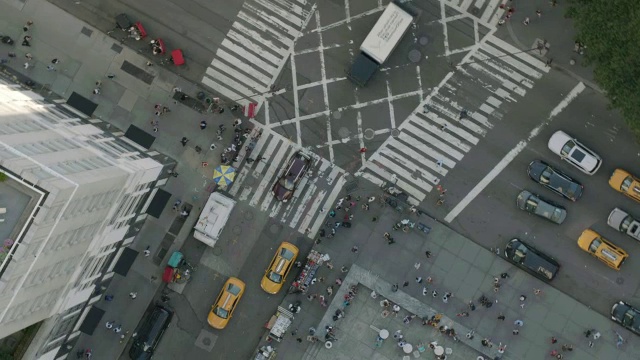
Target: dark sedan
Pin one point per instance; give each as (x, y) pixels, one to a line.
(555, 180)
(296, 168)
(627, 316)
(531, 260)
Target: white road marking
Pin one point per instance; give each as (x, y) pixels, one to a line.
(392, 113)
(512, 155)
(250, 69)
(244, 54)
(435, 130)
(495, 52)
(250, 45)
(425, 149)
(524, 56)
(274, 167)
(275, 21)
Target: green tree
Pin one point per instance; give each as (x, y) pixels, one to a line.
(611, 32)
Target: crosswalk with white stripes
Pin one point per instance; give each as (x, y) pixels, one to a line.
(435, 137)
(319, 190)
(487, 11)
(256, 48)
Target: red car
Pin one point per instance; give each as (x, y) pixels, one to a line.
(297, 167)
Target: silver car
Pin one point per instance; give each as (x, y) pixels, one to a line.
(537, 205)
(623, 222)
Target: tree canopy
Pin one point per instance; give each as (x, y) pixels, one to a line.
(610, 29)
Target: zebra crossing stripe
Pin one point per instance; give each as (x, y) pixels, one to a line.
(408, 188)
(244, 79)
(267, 155)
(497, 67)
(289, 6)
(252, 59)
(237, 183)
(274, 165)
(257, 23)
(526, 57)
(249, 44)
(225, 91)
(494, 52)
(451, 127)
(213, 73)
(257, 38)
(274, 20)
(503, 80)
(283, 14)
(240, 64)
(418, 158)
(444, 135)
(425, 149)
(467, 123)
(327, 205)
(304, 203)
(392, 161)
(432, 140)
(492, 10)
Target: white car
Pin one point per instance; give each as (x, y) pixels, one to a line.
(572, 151)
(624, 223)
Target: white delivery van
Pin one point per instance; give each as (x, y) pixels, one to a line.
(380, 43)
(214, 216)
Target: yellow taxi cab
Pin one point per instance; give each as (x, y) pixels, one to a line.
(226, 303)
(591, 242)
(277, 272)
(625, 183)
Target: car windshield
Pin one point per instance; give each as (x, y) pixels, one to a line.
(287, 183)
(545, 176)
(626, 183)
(557, 213)
(595, 244)
(629, 318)
(624, 225)
(531, 205)
(275, 277)
(566, 149)
(220, 312)
(520, 253)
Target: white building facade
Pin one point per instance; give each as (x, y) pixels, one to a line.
(90, 188)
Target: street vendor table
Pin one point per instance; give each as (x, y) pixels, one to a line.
(407, 348)
(278, 327)
(439, 350)
(314, 261)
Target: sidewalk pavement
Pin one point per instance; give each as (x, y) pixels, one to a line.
(554, 27)
(85, 56)
(456, 265)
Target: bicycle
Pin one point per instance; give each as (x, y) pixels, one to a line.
(620, 339)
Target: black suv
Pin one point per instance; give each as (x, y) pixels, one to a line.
(555, 180)
(531, 260)
(149, 333)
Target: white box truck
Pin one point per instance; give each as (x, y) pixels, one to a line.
(212, 219)
(379, 44)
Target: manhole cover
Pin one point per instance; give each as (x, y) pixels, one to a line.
(250, 181)
(237, 230)
(343, 132)
(275, 228)
(395, 132)
(337, 115)
(423, 40)
(414, 56)
(416, 174)
(206, 341)
(369, 134)
(619, 281)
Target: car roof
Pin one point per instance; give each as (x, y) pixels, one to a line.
(622, 308)
(616, 217)
(535, 260)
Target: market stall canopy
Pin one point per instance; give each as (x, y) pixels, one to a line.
(223, 175)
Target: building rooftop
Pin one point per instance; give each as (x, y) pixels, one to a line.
(21, 201)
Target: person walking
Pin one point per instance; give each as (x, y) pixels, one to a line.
(203, 125)
(184, 141)
(526, 21)
(133, 295)
(109, 324)
(117, 329)
(147, 252)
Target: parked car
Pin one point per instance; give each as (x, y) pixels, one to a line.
(627, 316)
(601, 248)
(226, 303)
(574, 152)
(555, 180)
(623, 222)
(531, 260)
(625, 183)
(295, 170)
(149, 333)
(534, 204)
(279, 268)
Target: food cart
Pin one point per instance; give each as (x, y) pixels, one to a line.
(314, 261)
(279, 323)
(266, 352)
